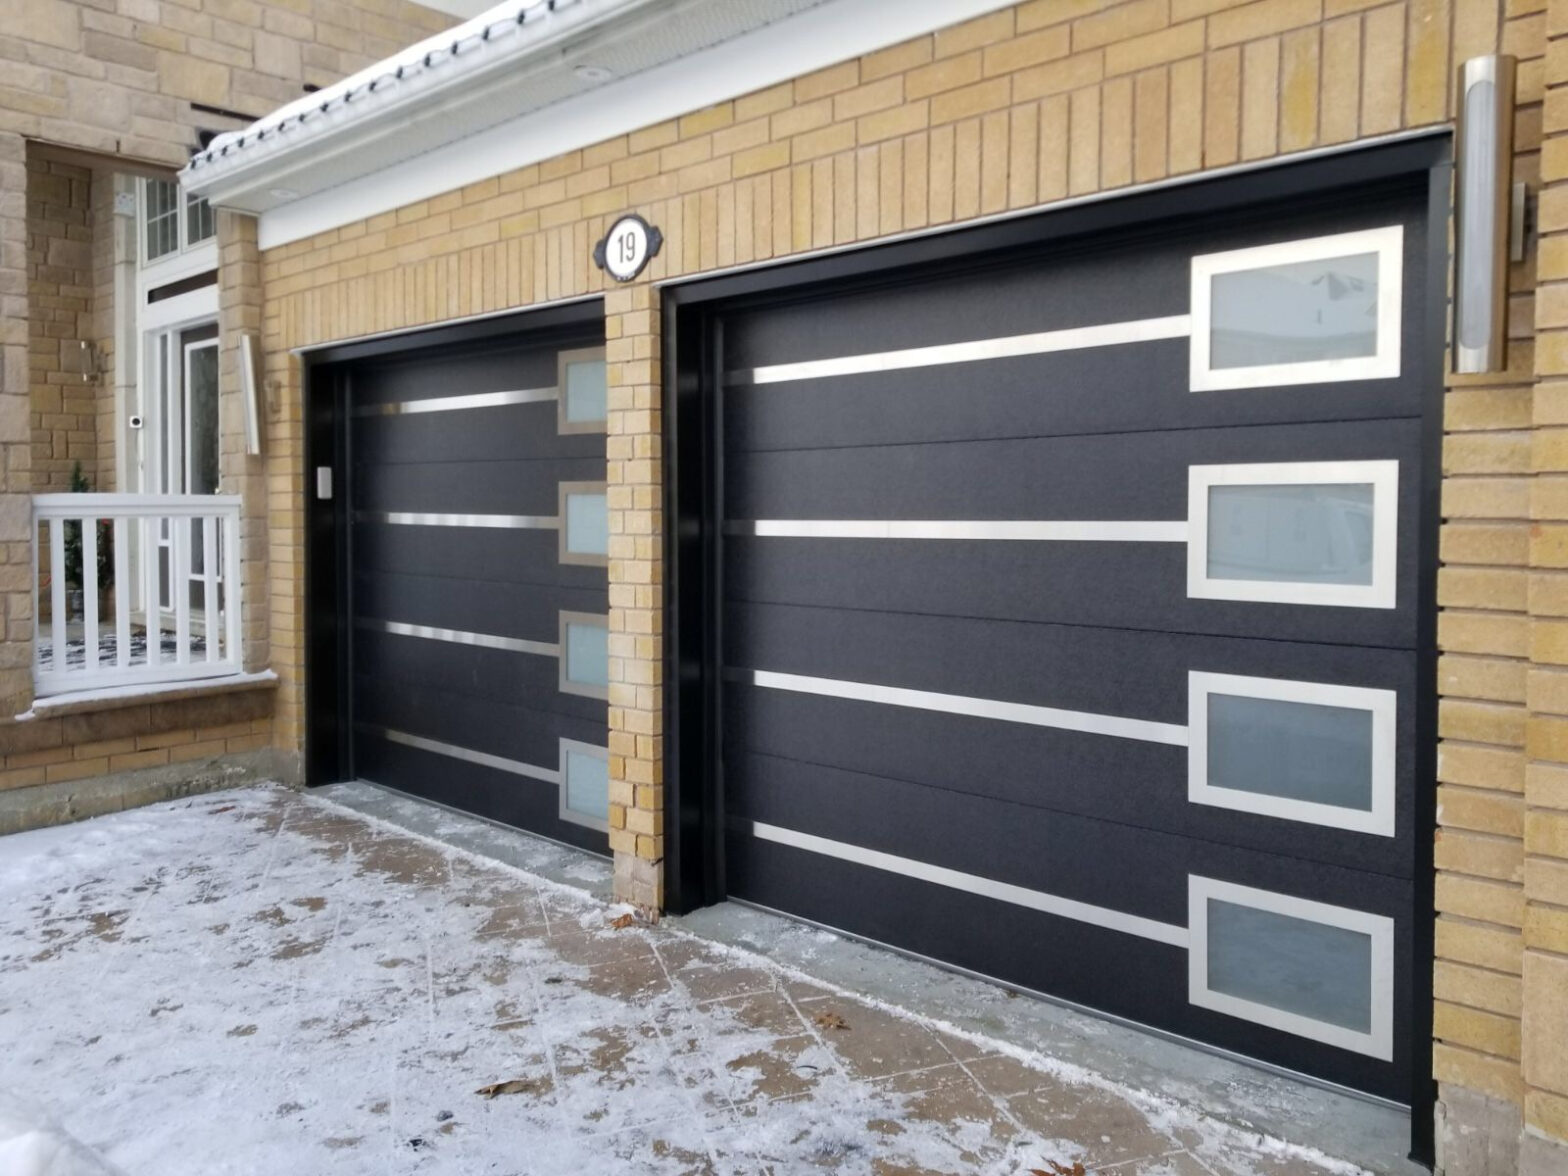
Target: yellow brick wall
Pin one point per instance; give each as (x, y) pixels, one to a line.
(1030, 105)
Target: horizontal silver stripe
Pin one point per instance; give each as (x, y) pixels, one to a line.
(1176, 326)
(459, 637)
(404, 518)
(453, 403)
(483, 758)
(980, 708)
(1070, 532)
(1036, 900)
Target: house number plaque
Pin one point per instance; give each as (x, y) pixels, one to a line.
(628, 247)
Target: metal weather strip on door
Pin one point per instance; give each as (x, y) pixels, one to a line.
(1311, 311)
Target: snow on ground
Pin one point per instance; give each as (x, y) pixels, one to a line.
(258, 982)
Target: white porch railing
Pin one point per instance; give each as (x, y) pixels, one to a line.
(134, 589)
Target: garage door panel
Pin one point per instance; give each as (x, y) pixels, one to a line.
(469, 671)
(1058, 772)
(1038, 478)
(521, 556)
(450, 372)
(509, 432)
(1075, 283)
(516, 731)
(501, 796)
(1103, 585)
(490, 488)
(1127, 389)
(494, 608)
(1138, 674)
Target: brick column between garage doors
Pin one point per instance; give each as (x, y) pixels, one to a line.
(635, 472)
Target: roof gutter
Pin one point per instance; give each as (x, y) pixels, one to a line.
(496, 49)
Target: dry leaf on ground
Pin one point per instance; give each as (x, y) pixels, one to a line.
(623, 922)
(831, 1021)
(1060, 1170)
(514, 1086)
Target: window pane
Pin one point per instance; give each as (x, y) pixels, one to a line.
(585, 391)
(161, 213)
(588, 785)
(201, 399)
(587, 524)
(1303, 534)
(1295, 750)
(587, 654)
(199, 220)
(1295, 965)
(1296, 313)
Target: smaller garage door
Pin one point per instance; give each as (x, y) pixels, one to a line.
(477, 568)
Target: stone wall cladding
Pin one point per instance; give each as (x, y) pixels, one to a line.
(1030, 105)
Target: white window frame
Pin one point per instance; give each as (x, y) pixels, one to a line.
(571, 815)
(188, 259)
(567, 684)
(1377, 1042)
(1383, 706)
(563, 361)
(1384, 479)
(1387, 243)
(566, 490)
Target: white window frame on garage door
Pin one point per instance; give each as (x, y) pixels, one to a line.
(1382, 476)
(1387, 243)
(1377, 1042)
(1383, 707)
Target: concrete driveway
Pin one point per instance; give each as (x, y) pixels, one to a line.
(263, 982)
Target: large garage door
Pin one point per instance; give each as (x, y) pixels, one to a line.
(478, 597)
(1071, 622)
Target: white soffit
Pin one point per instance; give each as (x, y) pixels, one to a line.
(453, 139)
(458, 8)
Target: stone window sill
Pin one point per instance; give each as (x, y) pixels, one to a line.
(119, 697)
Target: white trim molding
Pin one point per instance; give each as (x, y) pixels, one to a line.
(1377, 1041)
(1382, 476)
(1387, 244)
(1381, 705)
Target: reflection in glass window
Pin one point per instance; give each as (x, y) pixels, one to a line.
(1296, 313)
(200, 221)
(1297, 533)
(1298, 966)
(1292, 750)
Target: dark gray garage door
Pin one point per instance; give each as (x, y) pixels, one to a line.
(477, 551)
(1071, 619)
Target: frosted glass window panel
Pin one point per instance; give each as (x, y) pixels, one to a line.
(1305, 968)
(584, 654)
(586, 391)
(586, 784)
(1301, 312)
(585, 522)
(1293, 750)
(1297, 533)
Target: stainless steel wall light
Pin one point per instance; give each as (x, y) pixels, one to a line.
(1483, 201)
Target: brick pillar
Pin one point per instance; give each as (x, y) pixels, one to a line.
(1543, 1147)
(634, 452)
(240, 312)
(16, 466)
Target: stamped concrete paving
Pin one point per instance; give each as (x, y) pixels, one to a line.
(261, 982)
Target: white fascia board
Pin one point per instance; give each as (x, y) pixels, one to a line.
(819, 37)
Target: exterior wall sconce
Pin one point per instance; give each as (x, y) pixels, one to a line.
(1485, 200)
(81, 358)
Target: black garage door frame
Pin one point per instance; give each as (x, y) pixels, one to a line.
(694, 804)
(327, 374)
